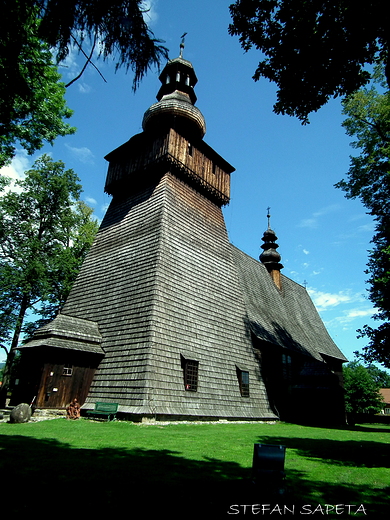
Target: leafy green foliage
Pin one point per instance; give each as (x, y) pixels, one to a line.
(118, 26)
(368, 178)
(314, 49)
(361, 389)
(32, 104)
(45, 233)
(381, 377)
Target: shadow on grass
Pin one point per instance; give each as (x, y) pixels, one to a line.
(50, 476)
(343, 455)
(368, 428)
(361, 454)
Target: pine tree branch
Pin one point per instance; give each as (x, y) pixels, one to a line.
(86, 63)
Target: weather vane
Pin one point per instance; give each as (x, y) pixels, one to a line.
(268, 216)
(182, 44)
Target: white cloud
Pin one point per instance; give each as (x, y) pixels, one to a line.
(83, 154)
(15, 170)
(324, 300)
(349, 316)
(305, 251)
(313, 221)
(358, 313)
(367, 227)
(309, 223)
(327, 209)
(150, 14)
(84, 88)
(19, 164)
(69, 67)
(90, 200)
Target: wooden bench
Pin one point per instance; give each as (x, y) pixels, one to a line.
(108, 410)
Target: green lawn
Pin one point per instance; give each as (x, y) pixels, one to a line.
(191, 470)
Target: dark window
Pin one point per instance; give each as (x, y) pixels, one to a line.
(287, 367)
(190, 373)
(67, 370)
(190, 150)
(243, 381)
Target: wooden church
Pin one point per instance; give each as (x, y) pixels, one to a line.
(166, 317)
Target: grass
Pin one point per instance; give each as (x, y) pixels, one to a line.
(192, 470)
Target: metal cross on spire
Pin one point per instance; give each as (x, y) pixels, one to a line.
(182, 44)
(268, 217)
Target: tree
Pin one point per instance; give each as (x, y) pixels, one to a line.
(314, 49)
(118, 26)
(368, 178)
(45, 233)
(381, 377)
(32, 104)
(361, 390)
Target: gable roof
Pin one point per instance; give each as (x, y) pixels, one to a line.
(287, 318)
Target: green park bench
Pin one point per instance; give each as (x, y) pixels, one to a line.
(108, 410)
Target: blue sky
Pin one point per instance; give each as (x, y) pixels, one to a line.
(323, 237)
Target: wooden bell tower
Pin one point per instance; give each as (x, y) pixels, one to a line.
(172, 139)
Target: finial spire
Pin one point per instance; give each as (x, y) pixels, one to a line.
(270, 257)
(182, 44)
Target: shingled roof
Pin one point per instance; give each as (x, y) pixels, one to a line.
(161, 282)
(68, 332)
(286, 317)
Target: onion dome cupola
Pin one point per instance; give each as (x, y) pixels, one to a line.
(176, 101)
(270, 257)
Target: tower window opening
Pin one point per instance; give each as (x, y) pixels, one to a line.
(190, 149)
(178, 77)
(167, 79)
(188, 81)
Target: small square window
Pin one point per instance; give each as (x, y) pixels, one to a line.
(67, 370)
(190, 373)
(243, 381)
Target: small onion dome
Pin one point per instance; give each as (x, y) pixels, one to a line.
(270, 257)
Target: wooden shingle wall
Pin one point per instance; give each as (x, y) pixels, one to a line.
(161, 283)
(115, 288)
(200, 314)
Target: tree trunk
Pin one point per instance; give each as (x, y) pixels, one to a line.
(11, 355)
